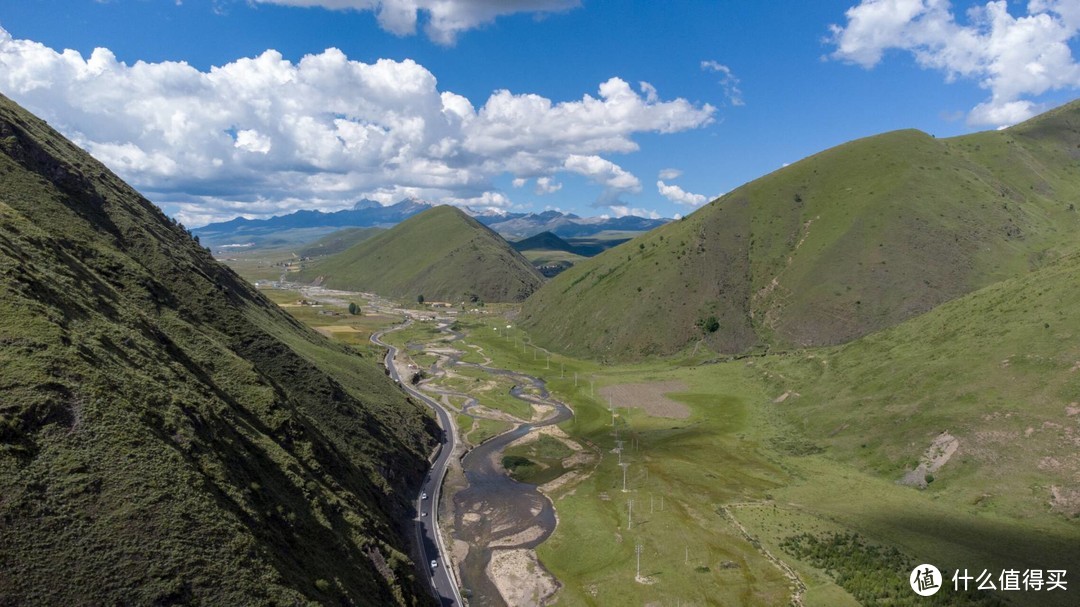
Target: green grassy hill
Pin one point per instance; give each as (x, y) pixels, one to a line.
(544, 241)
(841, 244)
(999, 370)
(167, 434)
(442, 254)
(337, 242)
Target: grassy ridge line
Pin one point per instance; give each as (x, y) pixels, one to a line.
(338, 241)
(843, 243)
(168, 435)
(441, 253)
(544, 241)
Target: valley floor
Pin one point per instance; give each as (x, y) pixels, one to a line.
(681, 483)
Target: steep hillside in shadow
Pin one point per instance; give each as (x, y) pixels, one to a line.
(167, 434)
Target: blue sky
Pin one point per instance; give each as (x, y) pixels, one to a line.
(221, 108)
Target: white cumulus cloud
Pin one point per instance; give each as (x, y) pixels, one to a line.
(676, 194)
(1016, 58)
(239, 138)
(547, 185)
(252, 141)
(669, 174)
(615, 178)
(445, 18)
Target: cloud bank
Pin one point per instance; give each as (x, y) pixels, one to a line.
(265, 135)
(1015, 58)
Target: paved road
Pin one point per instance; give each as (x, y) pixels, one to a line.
(428, 539)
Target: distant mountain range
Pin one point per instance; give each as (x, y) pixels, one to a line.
(564, 225)
(312, 224)
(368, 213)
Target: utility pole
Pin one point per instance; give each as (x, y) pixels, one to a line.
(624, 467)
(630, 517)
(637, 549)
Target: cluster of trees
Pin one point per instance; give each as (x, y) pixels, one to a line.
(876, 574)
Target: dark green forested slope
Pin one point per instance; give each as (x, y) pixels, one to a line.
(441, 253)
(841, 244)
(167, 435)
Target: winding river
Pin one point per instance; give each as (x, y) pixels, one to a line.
(494, 508)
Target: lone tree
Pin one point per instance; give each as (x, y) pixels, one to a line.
(709, 325)
(353, 308)
(419, 299)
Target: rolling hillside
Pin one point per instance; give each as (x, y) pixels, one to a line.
(841, 244)
(995, 372)
(338, 241)
(167, 434)
(442, 254)
(544, 241)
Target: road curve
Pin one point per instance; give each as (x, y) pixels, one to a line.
(428, 538)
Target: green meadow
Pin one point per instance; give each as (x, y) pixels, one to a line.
(718, 494)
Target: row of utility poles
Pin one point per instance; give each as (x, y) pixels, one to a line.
(625, 465)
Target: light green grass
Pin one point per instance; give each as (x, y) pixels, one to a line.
(737, 448)
(483, 429)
